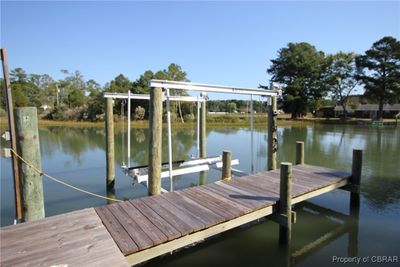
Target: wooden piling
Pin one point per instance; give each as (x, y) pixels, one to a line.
(226, 165)
(356, 167)
(355, 179)
(353, 222)
(11, 128)
(111, 195)
(272, 137)
(299, 152)
(202, 178)
(203, 133)
(285, 202)
(29, 149)
(110, 155)
(155, 141)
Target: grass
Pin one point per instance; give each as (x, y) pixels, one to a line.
(215, 120)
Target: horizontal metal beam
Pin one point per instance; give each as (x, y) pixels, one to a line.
(212, 88)
(125, 96)
(147, 97)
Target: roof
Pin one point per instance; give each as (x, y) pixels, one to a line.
(340, 108)
(375, 107)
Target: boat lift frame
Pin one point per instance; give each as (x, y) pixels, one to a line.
(204, 89)
(129, 96)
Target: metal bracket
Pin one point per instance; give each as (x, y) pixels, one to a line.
(281, 219)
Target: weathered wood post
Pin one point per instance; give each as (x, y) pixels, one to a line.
(203, 141)
(299, 152)
(355, 181)
(272, 137)
(203, 133)
(352, 248)
(155, 141)
(110, 155)
(11, 128)
(356, 167)
(285, 202)
(110, 194)
(29, 149)
(226, 165)
(202, 178)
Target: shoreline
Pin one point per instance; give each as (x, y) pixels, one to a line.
(219, 123)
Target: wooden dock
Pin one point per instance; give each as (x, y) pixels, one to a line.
(144, 228)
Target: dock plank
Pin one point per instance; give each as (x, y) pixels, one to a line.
(164, 226)
(208, 202)
(155, 234)
(77, 238)
(225, 201)
(141, 239)
(200, 212)
(243, 199)
(119, 234)
(183, 227)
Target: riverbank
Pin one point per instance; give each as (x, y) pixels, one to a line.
(220, 120)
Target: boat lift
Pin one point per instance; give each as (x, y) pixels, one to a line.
(139, 173)
(193, 165)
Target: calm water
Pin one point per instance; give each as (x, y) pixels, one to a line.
(76, 155)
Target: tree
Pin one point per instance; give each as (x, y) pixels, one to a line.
(140, 86)
(120, 84)
(95, 102)
(73, 88)
(20, 87)
(300, 68)
(341, 77)
(174, 72)
(231, 107)
(379, 71)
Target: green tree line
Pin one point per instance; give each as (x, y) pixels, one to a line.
(307, 76)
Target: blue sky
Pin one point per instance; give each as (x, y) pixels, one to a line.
(228, 43)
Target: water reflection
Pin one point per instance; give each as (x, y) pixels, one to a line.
(328, 226)
(77, 155)
(256, 244)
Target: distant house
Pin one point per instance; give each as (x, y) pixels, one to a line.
(339, 112)
(371, 111)
(326, 112)
(361, 111)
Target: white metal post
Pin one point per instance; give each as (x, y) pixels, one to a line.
(198, 127)
(169, 139)
(251, 134)
(129, 129)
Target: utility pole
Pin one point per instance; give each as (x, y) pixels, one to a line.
(11, 127)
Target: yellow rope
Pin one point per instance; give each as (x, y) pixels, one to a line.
(61, 182)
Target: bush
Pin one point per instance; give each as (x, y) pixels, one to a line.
(139, 113)
(63, 113)
(188, 117)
